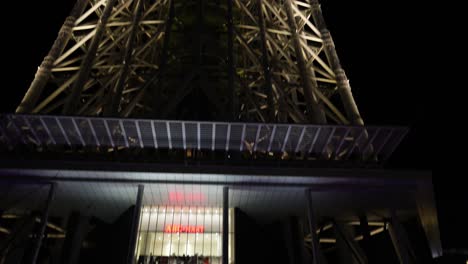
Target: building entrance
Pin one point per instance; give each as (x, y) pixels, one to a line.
(177, 234)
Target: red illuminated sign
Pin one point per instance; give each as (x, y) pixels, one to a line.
(184, 229)
(184, 197)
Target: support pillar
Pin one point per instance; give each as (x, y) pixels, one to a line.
(230, 61)
(316, 258)
(427, 214)
(293, 239)
(366, 242)
(351, 249)
(316, 114)
(400, 241)
(116, 93)
(87, 62)
(266, 63)
(225, 225)
(344, 88)
(44, 218)
(76, 232)
(344, 254)
(43, 72)
(135, 226)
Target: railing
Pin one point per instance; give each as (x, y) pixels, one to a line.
(285, 141)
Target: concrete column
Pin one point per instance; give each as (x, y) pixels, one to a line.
(225, 225)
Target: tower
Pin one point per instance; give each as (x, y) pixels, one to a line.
(255, 87)
(251, 61)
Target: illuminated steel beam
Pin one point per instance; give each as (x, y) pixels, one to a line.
(126, 58)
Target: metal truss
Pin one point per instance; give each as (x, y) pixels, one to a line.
(345, 237)
(101, 59)
(246, 60)
(378, 227)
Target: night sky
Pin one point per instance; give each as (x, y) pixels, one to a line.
(378, 43)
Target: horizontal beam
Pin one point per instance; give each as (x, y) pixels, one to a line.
(163, 134)
(234, 183)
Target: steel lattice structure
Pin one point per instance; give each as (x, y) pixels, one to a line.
(256, 61)
(242, 103)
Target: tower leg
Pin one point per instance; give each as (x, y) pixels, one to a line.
(344, 88)
(316, 114)
(350, 248)
(400, 240)
(316, 257)
(43, 72)
(87, 63)
(428, 218)
(366, 242)
(45, 216)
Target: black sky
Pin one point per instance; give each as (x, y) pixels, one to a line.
(378, 43)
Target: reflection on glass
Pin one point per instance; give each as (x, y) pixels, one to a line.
(181, 234)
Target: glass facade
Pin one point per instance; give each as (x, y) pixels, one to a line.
(175, 234)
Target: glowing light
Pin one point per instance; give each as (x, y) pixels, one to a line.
(184, 229)
(186, 197)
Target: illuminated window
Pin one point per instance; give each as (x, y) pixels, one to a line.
(178, 232)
